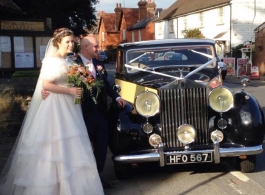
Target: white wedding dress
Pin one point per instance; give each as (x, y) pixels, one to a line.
(53, 155)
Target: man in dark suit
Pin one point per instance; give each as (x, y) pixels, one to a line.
(95, 114)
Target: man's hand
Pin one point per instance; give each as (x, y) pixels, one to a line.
(121, 102)
(44, 94)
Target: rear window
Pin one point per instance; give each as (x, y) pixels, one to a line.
(189, 55)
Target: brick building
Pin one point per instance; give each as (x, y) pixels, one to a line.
(260, 48)
(127, 24)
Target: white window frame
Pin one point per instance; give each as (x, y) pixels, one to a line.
(102, 36)
(160, 28)
(140, 35)
(123, 34)
(220, 15)
(171, 26)
(132, 35)
(201, 19)
(185, 22)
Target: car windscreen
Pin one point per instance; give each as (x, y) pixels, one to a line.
(182, 56)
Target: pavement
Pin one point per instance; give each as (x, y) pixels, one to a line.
(252, 82)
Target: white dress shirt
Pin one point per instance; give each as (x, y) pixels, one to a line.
(90, 66)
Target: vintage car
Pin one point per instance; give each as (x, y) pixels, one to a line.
(178, 110)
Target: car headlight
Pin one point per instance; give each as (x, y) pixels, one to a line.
(221, 99)
(186, 134)
(147, 103)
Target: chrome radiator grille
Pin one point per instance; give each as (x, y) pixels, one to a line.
(184, 106)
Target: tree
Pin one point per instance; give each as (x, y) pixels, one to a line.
(193, 33)
(236, 52)
(74, 14)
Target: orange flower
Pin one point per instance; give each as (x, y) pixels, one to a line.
(79, 76)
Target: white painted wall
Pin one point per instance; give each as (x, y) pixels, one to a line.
(240, 18)
(161, 34)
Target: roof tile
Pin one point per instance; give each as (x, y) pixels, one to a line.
(109, 21)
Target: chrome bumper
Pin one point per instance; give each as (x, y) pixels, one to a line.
(158, 156)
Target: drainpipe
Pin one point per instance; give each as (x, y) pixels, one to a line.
(231, 28)
(251, 34)
(177, 27)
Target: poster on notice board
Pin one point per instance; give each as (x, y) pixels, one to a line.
(230, 64)
(241, 67)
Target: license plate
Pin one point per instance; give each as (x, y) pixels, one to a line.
(188, 158)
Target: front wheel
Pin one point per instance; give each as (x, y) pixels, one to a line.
(246, 165)
(122, 171)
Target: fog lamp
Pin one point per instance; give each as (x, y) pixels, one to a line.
(222, 123)
(148, 128)
(186, 134)
(154, 140)
(217, 136)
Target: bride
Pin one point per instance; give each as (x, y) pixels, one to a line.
(53, 154)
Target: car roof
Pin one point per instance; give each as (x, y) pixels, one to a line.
(167, 41)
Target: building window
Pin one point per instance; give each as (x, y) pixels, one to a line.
(185, 23)
(123, 34)
(132, 36)
(160, 28)
(220, 15)
(171, 26)
(140, 35)
(102, 36)
(201, 19)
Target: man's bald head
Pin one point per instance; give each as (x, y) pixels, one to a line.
(89, 47)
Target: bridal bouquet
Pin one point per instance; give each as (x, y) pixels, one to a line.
(79, 76)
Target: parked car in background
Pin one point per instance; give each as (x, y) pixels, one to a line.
(178, 56)
(103, 56)
(164, 56)
(144, 58)
(179, 112)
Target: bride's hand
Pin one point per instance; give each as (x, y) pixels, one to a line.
(44, 94)
(77, 91)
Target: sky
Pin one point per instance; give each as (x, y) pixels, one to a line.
(109, 5)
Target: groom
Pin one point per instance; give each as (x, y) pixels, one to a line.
(95, 114)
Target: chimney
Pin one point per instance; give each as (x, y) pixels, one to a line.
(117, 11)
(151, 7)
(142, 9)
(99, 14)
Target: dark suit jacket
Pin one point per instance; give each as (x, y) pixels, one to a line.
(87, 101)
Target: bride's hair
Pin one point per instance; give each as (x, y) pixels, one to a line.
(59, 34)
